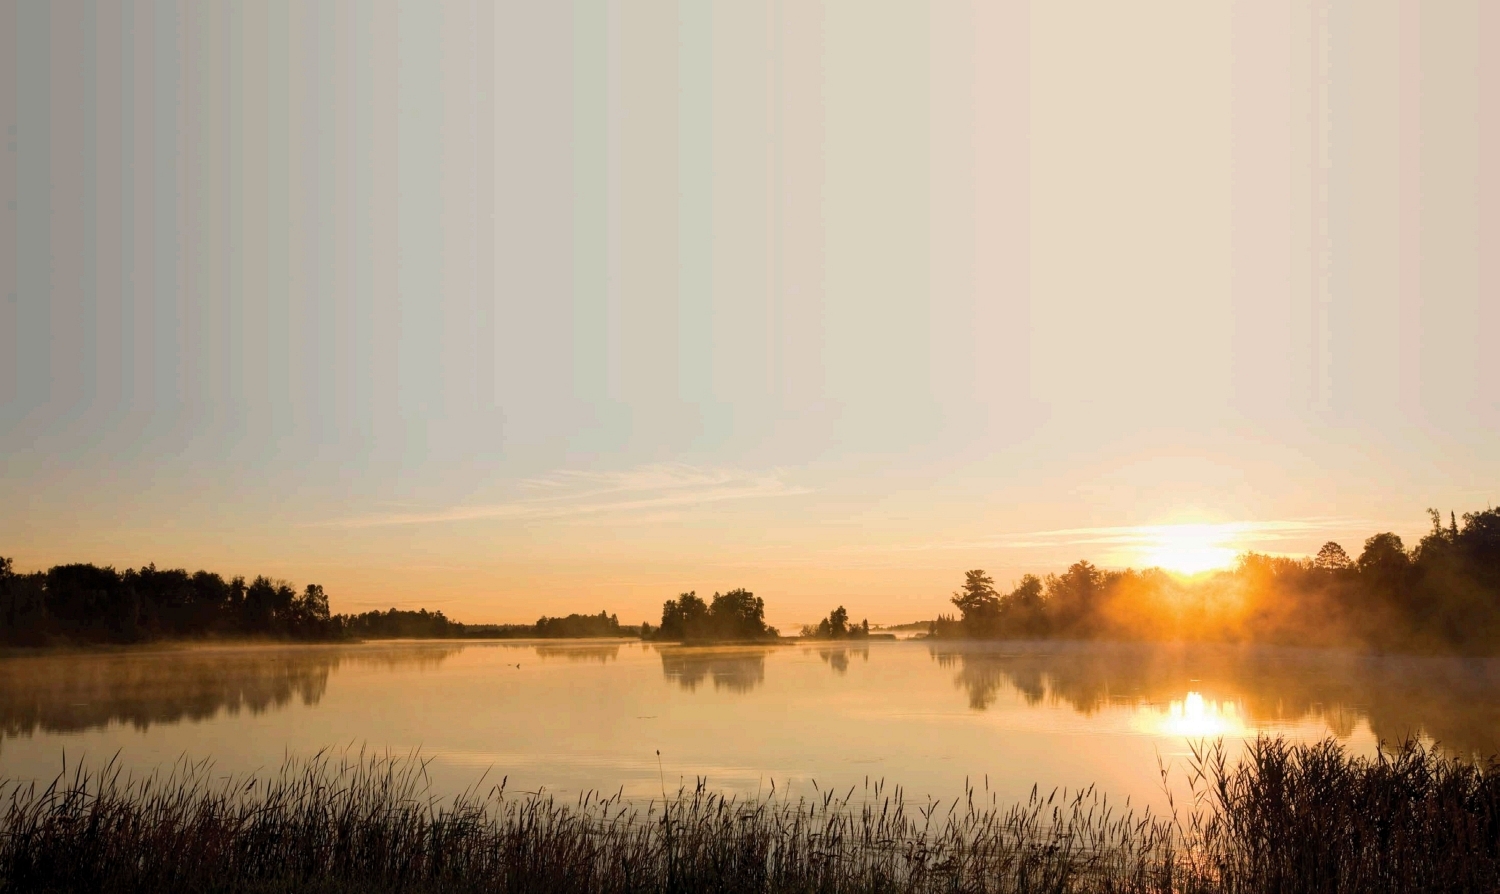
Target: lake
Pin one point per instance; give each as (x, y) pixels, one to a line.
(577, 715)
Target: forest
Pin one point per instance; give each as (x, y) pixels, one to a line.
(87, 603)
(83, 603)
(1441, 595)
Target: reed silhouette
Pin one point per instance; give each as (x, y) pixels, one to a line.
(1280, 818)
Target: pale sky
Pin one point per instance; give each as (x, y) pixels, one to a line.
(523, 308)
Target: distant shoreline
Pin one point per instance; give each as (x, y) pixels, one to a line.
(1026, 645)
(185, 643)
(178, 644)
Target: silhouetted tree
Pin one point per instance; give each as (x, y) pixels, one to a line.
(978, 603)
(1023, 609)
(1384, 556)
(977, 596)
(1074, 598)
(736, 615)
(837, 626)
(1331, 557)
(739, 614)
(1478, 546)
(1384, 566)
(685, 616)
(7, 594)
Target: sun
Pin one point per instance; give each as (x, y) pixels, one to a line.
(1189, 549)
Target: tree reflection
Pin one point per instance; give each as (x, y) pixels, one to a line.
(71, 693)
(732, 668)
(837, 657)
(603, 654)
(1455, 701)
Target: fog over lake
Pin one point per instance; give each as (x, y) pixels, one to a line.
(578, 715)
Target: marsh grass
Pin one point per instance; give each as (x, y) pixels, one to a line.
(1285, 818)
(1310, 817)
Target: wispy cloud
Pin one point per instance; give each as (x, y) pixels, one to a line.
(1241, 534)
(657, 489)
(1244, 533)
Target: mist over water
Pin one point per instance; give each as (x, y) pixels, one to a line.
(569, 717)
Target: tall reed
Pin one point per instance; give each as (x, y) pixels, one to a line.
(1284, 818)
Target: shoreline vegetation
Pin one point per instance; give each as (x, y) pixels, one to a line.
(1280, 817)
(1443, 595)
(738, 616)
(83, 605)
(837, 627)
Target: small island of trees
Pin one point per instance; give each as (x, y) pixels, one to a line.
(736, 616)
(837, 626)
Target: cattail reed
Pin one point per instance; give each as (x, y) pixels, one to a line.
(1286, 817)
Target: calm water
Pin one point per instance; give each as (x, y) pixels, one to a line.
(581, 715)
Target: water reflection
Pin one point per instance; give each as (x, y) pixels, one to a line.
(74, 692)
(1195, 717)
(737, 669)
(596, 712)
(1225, 690)
(837, 657)
(592, 653)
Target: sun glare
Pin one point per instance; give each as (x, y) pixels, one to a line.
(1196, 717)
(1189, 549)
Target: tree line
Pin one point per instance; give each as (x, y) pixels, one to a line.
(86, 603)
(1441, 595)
(422, 624)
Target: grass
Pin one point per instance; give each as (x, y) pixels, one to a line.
(1284, 818)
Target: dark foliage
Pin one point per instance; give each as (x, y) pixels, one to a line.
(576, 625)
(88, 604)
(1286, 818)
(837, 626)
(1444, 595)
(397, 624)
(733, 616)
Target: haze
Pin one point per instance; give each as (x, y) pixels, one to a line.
(538, 308)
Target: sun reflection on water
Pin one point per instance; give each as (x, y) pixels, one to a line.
(1197, 717)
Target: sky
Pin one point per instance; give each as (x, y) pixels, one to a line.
(511, 309)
